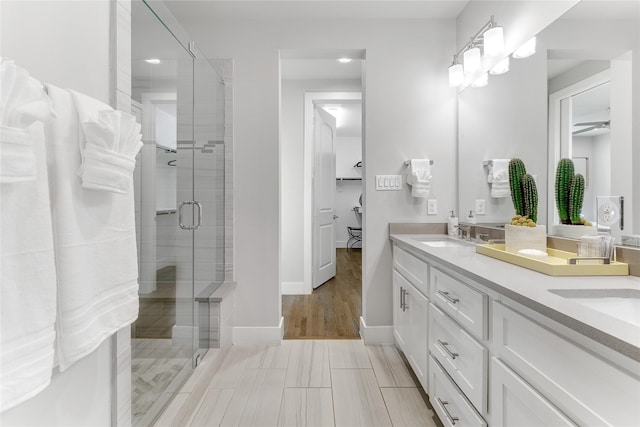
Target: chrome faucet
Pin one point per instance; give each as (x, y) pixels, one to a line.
(465, 232)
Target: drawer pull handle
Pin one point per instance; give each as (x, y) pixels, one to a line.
(444, 345)
(443, 404)
(404, 300)
(445, 294)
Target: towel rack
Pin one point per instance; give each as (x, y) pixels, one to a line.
(408, 162)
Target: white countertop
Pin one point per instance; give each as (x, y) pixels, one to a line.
(531, 289)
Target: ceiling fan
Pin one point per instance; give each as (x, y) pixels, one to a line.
(603, 124)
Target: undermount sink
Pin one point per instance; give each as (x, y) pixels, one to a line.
(442, 243)
(623, 304)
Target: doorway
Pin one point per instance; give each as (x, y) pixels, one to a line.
(309, 88)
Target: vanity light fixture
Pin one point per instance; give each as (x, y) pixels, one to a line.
(487, 44)
(493, 41)
(344, 60)
(456, 74)
(526, 50)
(154, 61)
(472, 60)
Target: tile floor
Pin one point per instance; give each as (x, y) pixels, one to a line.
(312, 382)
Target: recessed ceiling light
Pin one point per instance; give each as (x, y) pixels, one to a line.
(344, 60)
(154, 61)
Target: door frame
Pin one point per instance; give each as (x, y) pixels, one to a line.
(311, 98)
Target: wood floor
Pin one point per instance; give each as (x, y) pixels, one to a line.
(309, 383)
(333, 310)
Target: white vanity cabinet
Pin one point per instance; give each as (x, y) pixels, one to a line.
(411, 310)
(516, 403)
(585, 388)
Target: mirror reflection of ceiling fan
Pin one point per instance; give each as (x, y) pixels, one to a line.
(603, 124)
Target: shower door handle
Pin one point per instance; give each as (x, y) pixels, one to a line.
(196, 225)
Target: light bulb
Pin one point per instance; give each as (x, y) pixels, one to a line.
(527, 49)
(493, 41)
(501, 67)
(481, 81)
(344, 60)
(154, 61)
(472, 61)
(456, 75)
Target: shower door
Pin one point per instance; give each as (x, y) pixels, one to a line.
(169, 215)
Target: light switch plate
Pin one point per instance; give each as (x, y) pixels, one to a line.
(388, 182)
(432, 207)
(480, 205)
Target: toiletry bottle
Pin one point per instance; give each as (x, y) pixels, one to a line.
(471, 219)
(452, 225)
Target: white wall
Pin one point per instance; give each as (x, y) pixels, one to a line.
(409, 112)
(292, 169)
(66, 44)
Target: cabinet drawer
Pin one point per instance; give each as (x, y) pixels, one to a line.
(466, 305)
(461, 355)
(413, 268)
(516, 403)
(448, 401)
(590, 390)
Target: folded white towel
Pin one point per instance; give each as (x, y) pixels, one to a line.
(22, 102)
(499, 178)
(109, 143)
(419, 177)
(28, 278)
(95, 244)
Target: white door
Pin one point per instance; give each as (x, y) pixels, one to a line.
(324, 187)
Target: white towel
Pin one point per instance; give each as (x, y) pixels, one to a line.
(111, 140)
(95, 243)
(22, 102)
(419, 177)
(27, 274)
(499, 178)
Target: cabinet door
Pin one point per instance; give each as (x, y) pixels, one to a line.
(417, 305)
(400, 315)
(516, 403)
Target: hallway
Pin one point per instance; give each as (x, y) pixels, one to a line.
(333, 310)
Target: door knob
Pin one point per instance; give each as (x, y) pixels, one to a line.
(335, 216)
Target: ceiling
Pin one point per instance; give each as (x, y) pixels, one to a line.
(198, 10)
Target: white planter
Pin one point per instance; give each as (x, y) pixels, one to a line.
(574, 231)
(517, 238)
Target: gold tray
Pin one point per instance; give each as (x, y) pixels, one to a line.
(555, 264)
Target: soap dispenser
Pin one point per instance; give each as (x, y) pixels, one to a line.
(471, 219)
(452, 225)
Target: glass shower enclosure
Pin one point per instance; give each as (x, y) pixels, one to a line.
(179, 100)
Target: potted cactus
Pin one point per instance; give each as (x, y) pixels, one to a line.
(569, 197)
(523, 232)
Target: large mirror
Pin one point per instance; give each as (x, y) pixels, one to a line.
(573, 98)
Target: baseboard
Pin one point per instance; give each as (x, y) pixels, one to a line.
(294, 288)
(265, 335)
(372, 335)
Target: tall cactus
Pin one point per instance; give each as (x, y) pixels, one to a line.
(576, 196)
(530, 192)
(516, 172)
(564, 175)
